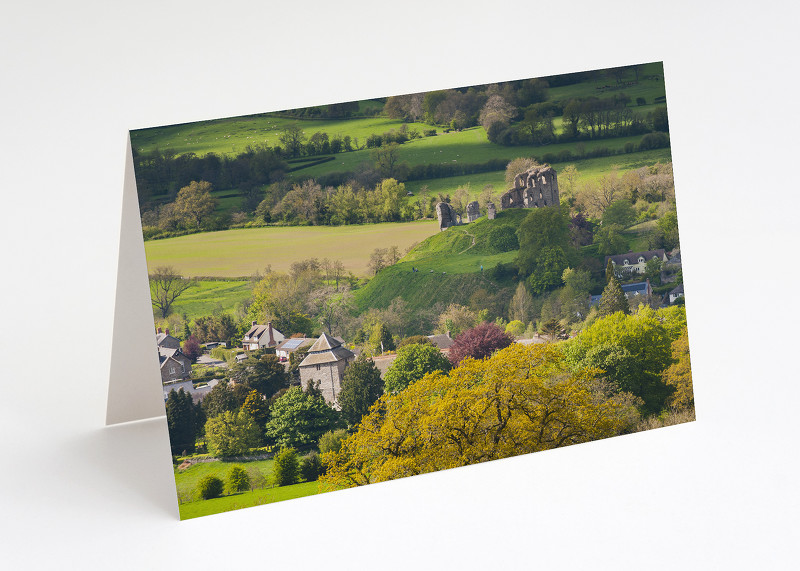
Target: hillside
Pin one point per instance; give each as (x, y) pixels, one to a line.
(448, 266)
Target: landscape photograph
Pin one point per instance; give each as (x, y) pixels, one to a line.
(357, 292)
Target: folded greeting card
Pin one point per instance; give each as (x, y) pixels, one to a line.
(357, 292)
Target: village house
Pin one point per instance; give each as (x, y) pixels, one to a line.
(675, 293)
(188, 387)
(634, 262)
(175, 366)
(166, 340)
(643, 289)
(326, 362)
(260, 336)
(288, 346)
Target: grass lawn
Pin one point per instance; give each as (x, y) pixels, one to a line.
(186, 485)
(206, 296)
(245, 251)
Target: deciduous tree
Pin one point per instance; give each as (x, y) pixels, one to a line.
(299, 419)
(412, 363)
(264, 373)
(194, 203)
(523, 399)
(479, 342)
(166, 285)
(231, 434)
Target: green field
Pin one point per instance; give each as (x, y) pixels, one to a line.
(245, 251)
(208, 296)
(232, 136)
(186, 484)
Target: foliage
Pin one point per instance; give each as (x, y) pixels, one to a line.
(219, 399)
(380, 339)
(256, 406)
(412, 363)
(413, 340)
(553, 329)
(264, 373)
(479, 342)
(210, 487)
(633, 350)
(503, 238)
(361, 386)
(194, 203)
(457, 318)
(332, 440)
(166, 285)
(613, 299)
(550, 265)
(191, 348)
(238, 479)
(521, 400)
(679, 374)
(542, 228)
(299, 419)
(515, 328)
(609, 240)
(231, 434)
(521, 306)
(181, 421)
(215, 328)
(619, 212)
(311, 467)
(286, 469)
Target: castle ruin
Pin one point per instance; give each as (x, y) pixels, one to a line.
(446, 216)
(534, 188)
(473, 211)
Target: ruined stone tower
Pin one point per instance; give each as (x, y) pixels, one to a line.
(446, 216)
(534, 188)
(473, 211)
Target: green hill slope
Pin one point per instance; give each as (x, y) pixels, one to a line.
(448, 266)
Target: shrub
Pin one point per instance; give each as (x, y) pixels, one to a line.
(641, 101)
(503, 239)
(238, 479)
(311, 467)
(413, 340)
(286, 467)
(429, 132)
(656, 140)
(331, 441)
(515, 328)
(210, 487)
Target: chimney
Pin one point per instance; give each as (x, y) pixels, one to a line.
(159, 330)
(166, 331)
(271, 337)
(253, 324)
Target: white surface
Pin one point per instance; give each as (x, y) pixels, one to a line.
(720, 493)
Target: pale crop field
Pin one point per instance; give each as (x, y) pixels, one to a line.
(245, 251)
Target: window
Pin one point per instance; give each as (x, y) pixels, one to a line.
(641, 260)
(318, 367)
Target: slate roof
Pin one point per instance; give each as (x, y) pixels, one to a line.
(441, 341)
(326, 349)
(676, 290)
(293, 344)
(255, 333)
(161, 337)
(633, 257)
(640, 287)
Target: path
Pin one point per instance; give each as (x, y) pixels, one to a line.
(471, 245)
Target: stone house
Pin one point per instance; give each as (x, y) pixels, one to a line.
(260, 336)
(634, 262)
(325, 362)
(175, 366)
(166, 340)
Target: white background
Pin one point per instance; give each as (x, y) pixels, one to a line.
(720, 493)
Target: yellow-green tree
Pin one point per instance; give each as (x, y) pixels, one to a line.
(523, 399)
(194, 203)
(679, 374)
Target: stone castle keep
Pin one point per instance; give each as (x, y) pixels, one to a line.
(534, 188)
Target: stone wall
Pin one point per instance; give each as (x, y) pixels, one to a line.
(534, 188)
(446, 216)
(330, 377)
(473, 211)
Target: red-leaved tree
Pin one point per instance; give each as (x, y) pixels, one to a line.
(479, 342)
(191, 348)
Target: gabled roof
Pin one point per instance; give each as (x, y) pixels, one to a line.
(165, 354)
(638, 286)
(677, 289)
(633, 257)
(293, 343)
(161, 337)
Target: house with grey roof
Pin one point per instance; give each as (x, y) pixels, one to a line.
(325, 362)
(441, 341)
(634, 262)
(260, 336)
(175, 366)
(642, 290)
(164, 339)
(288, 346)
(675, 293)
